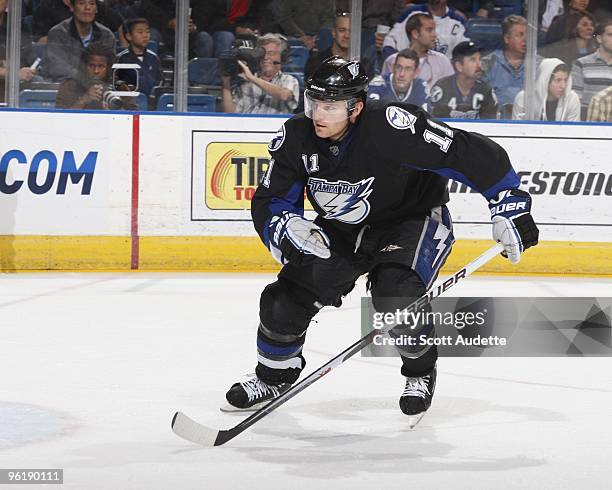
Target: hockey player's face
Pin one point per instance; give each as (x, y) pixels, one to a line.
(329, 118)
(516, 39)
(404, 71)
(557, 85)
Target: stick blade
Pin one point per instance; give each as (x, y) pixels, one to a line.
(190, 430)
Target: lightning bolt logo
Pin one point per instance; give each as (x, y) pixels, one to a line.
(441, 235)
(343, 201)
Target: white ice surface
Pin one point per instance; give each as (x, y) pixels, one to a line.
(93, 366)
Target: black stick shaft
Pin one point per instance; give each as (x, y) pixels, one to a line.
(226, 435)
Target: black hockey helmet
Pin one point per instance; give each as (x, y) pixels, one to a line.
(338, 79)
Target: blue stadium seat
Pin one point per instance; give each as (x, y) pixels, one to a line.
(143, 102)
(503, 8)
(299, 76)
(195, 103)
(37, 99)
(486, 33)
(204, 71)
(296, 59)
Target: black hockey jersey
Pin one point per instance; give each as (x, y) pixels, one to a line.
(393, 163)
(446, 100)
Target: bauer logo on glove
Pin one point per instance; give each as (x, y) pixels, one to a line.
(513, 225)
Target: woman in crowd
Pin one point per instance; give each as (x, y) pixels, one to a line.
(578, 43)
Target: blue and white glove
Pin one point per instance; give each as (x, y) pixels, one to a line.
(293, 238)
(513, 224)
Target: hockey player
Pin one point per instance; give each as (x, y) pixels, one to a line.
(377, 179)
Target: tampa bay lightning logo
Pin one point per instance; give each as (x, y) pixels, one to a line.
(400, 118)
(353, 68)
(436, 94)
(278, 140)
(341, 200)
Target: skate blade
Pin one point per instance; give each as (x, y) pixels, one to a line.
(227, 408)
(413, 420)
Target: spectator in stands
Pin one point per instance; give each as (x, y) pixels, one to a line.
(25, 73)
(162, 18)
(269, 91)
(374, 13)
(554, 98)
(120, 6)
(49, 13)
(341, 34)
(224, 19)
(421, 31)
(504, 68)
(593, 73)
(464, 95)
(579, 44)
(138, 34)
(259, 19)
(402, 85)
(449, 25)
(87, 89)
(600, 108)
(301, 19)
(69, 38)
(563, 25)
(25, 44)
(218, 18)
(549, 10)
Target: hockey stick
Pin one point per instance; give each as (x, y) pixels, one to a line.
(192, 431)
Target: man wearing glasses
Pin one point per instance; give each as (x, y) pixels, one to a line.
(269, 91)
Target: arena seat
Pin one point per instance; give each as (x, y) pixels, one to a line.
(195, 102)
(37, 99)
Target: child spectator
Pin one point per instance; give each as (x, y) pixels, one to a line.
(93, 80)
(138, 35)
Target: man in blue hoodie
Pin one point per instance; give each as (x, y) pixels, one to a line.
(505, 68)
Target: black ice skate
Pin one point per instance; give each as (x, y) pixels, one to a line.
(251, 394)
(417, 396)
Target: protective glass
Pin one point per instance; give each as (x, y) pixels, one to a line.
(325, 111)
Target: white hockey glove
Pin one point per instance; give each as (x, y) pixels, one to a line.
(293, 238)
(513, 224)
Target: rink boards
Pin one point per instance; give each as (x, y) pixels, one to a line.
(171, 192)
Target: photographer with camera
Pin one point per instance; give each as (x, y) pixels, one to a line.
(92, 88)
(269, 90)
